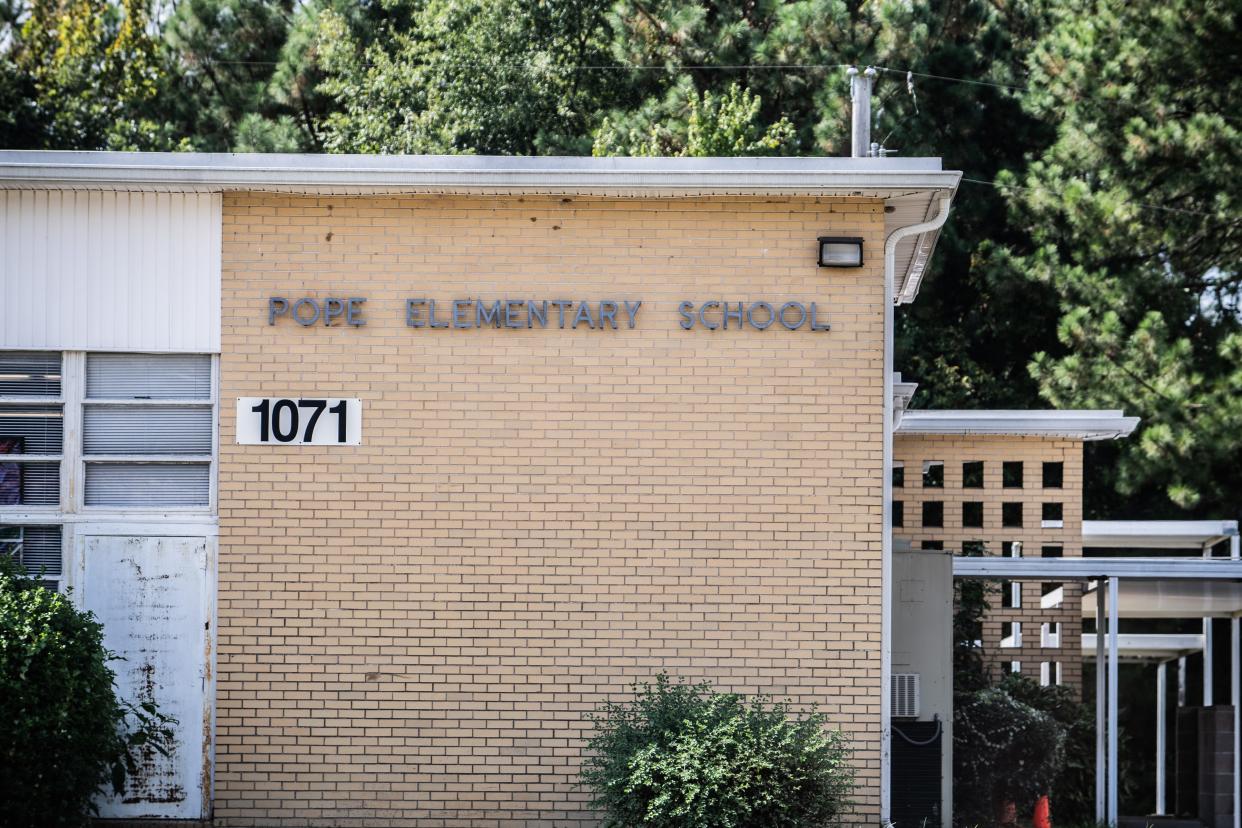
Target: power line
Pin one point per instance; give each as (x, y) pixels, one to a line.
(685, 67)
(989, 83)
(810, 67)
(1143, 204)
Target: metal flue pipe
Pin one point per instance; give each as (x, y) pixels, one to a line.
(860, 125)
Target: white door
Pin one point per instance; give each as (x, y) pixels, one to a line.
(151, 595)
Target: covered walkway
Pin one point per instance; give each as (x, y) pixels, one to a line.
(1152, 586)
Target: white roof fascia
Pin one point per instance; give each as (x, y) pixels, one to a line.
(467, 174)
(1082, 569)
(1074, 424)
(1156, 534)
(912, 188)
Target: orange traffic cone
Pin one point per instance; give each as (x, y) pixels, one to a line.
(1043, 814)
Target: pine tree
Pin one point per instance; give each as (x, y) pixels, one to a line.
(1135, 213)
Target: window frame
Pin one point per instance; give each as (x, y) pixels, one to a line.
(62, 577)
(60, 401)
(70, 512)
(82, 460)
(72, 459)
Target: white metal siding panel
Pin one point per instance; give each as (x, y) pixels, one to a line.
(110, 271)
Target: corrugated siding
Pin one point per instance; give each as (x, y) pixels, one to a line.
(110, 271)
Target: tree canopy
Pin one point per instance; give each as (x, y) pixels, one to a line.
(1091, 260)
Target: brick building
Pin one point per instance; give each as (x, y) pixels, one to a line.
(382, 472)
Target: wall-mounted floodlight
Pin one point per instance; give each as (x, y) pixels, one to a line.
(837, 251)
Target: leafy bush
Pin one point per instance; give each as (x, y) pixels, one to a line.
(680, 754)
(1004, 750)
(1073, 789)
(63, 732)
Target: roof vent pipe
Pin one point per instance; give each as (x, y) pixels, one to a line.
(860, 95)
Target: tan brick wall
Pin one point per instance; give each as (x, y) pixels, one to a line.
(411, 630)
(913, 450)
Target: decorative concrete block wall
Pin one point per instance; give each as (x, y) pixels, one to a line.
(989, 501)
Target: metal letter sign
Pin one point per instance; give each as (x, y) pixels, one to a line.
(299, 421)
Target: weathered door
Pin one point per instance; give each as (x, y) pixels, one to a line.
(151, 594)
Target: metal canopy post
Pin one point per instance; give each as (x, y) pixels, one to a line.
(1112, 700)
(1162, 706)
(1207, 647)
(1235, 694)
(1100, 723)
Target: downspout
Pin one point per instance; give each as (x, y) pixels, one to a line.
(886, 535)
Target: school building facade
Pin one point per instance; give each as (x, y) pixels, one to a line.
(383, 472)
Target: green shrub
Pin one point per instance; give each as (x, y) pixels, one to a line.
(1004, 750)
(63, 732)
(683, 755)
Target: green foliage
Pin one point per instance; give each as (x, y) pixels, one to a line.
(1135, 215)
(1004, 750)
(1072, 792)
(680, 754)
(80, 74)
(715, 125)
(63, 733)
(970, 605)
(477, 76)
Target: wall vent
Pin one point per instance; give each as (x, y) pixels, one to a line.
(905, 696)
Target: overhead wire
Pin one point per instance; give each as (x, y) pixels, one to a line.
(908, 74)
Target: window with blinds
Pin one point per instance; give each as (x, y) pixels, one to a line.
(37, 549)
(31, 429)
(147, 430)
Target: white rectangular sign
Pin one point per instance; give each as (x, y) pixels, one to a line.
(307, 421)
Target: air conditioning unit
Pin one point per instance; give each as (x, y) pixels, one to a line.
(904, 696)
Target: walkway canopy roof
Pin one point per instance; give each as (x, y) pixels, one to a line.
(1147, 646)
(1156, 534)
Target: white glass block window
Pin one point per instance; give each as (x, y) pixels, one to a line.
(1050, 634)
(147, 430)
(1050, 673)
(31, 429)
(1011, 634)
(37, 549)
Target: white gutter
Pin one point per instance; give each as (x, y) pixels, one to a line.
(886, 534)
